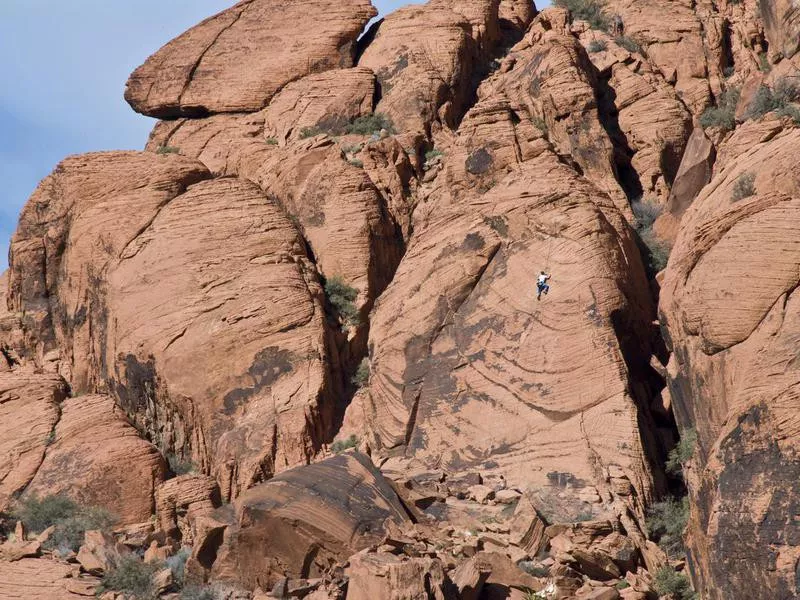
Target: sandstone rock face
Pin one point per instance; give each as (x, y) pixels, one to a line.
(39, 579)
(178, 279)
(343, 215)
(675, 45)
(237, 60)
(97, 458)
(694, 173)
(301, 522)
(733, 374)
(387, 576)
(782, 26)
(476, 369)
(425, 58)
(180, 501)
(29, 411)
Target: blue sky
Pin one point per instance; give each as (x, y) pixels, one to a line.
(65, 64)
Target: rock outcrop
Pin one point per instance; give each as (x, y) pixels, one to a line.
(185, 272)
(97, 458)
(238, 60)
(301, 523)
(32, 579)
(733, 375)
(29, 411)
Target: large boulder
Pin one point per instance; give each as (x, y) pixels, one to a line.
(97, 458)
(301, 523)
(29, 411)
(390, 577)
(729, 305)
(238, 59)
(184, 272)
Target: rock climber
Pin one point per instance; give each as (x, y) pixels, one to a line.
(541, 285)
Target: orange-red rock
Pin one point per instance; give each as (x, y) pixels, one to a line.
(729, 303)
(43, 579)
(97, 458)
(300, 523)
(238, 59)
(29, 411)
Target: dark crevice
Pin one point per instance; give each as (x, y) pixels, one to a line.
(366, 39)
(627, 176)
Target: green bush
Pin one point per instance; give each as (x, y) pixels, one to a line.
(722, 115)
(131, 576)
(69, 532)
(666, 521)
(628, 43)
(622, 585)
(369, 124)
(592, 11)
(272, 141)
(682, 452)
(180, 466)
(37, 514)
(307, 132)
(198, 593)
(596, 46)
(361, 376)
(356, 163)
(744, 187)
(342, 297)
(656, 251)
(167, 150)
(341, 445)
(780, 99)
(177, 564)
(671, 584)
(763, 63)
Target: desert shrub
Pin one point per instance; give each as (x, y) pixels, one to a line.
(628, 43)
(763, 63)
(432, 155)
(728, 72)
(271, 141)
(498, 223)
(671, 584)
(622, 585)
(682, 452)
(540, 124)
(655, 251)
(131, 576)
(37, 514)
(744, 187)
(531, 568)
(723, 114)
(355, 162)
(177, 564)
(307, 132)
(180, 466)
(342, 297)
(167, 150)
(341, 445)
(592, 11)
(198, 593)
(666, 521)
(597, 46)
(361, 376)
(780, 99)
(69, 532)
(369, 124)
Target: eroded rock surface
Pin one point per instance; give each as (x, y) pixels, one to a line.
(733, 372)
(300, 523)
(237, 60)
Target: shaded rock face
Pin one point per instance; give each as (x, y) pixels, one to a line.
(237, 60)
(733, 374)
(300, 523)
(196, 272)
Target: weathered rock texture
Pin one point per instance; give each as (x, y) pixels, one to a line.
(96, 457)
(29, 411)
(729, 304)
(237, 60)
(300, 523)
(179, 278)
(32, 579)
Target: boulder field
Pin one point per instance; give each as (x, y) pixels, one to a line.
(294, 348)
